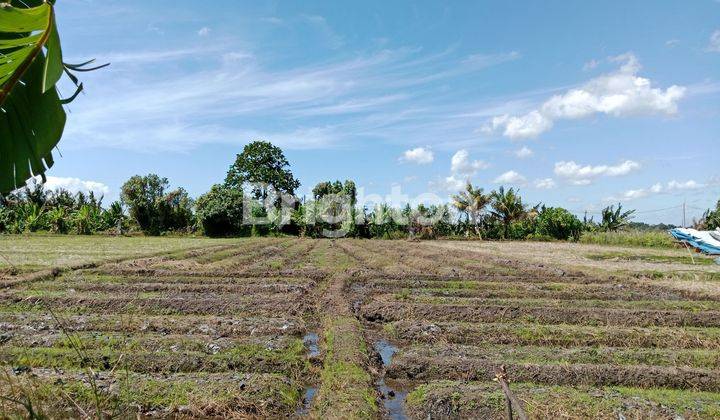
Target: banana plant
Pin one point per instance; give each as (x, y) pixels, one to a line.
(32, 118)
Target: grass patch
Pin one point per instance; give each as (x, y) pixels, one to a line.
(623, 256)
(346, 389)
(629, 238)
(685, 305)
(544, 355)
(45, 251)
(485, 400)
(199, 395)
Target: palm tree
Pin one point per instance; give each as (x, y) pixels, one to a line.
(472, 203)
(507, 206)
(613, 219)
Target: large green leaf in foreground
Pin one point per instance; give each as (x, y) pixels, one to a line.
(32, 118)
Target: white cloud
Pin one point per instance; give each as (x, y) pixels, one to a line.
(584, 175)
(462, 168)
(419, 155)
(204, 31)
(75, 185)
(460, 164)
(451, 183)
(524, 152)
(544, 184)
(658, 188)
(678, 186)
(620, 94)
(510, 177)
(714, 45)
(670, 43)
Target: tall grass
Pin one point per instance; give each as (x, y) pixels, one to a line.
(654, 239)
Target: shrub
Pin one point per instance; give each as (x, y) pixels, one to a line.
(220, 211)
(558, 223)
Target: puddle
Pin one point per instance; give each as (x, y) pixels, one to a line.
(394, 401)
(311, 342)
(386, 350)
(307, 401)
(393, 398)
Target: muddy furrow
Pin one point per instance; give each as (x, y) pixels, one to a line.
(396, 311)
(575, 374)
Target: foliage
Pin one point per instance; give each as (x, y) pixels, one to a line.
(262, 163)
(558, 223)
(347, 189)
(507, 206)
(33, 118)
(710, 219)
(614, 219)
(154, 210)
(220, 211)
(34, 209)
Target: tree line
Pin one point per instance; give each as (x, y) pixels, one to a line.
(257, 198)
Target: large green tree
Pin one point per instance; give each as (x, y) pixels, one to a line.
(31, 63)
(154, 210)
(264, 165)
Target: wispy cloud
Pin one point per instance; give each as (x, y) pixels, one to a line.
(524, 152)
(544, 184)
(231, 95)
(714, 43)
(658, 188)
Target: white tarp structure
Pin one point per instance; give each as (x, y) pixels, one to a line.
(705, 241)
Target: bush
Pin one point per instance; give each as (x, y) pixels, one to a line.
(521, 229)
(558, 223)
(220, 211)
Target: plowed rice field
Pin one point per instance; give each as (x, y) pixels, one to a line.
(287, 327)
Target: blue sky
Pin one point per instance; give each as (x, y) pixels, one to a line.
(578, 104)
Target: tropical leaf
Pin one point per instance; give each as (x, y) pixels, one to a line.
(32, 118)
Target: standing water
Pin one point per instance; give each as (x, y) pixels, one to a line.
(393, 400)
(311, 342)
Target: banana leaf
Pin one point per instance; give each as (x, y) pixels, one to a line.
(32, 118)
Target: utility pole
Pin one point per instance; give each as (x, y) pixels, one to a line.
(683, 213)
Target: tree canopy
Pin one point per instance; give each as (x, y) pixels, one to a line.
(263, 164)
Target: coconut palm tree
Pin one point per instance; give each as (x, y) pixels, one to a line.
(472, 203)
(507, 206)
